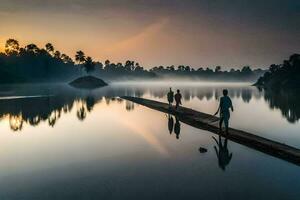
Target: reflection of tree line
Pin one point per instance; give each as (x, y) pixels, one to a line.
(33, 111)
(211, 93)
(221, 148)
(50, 108)
(288, 103)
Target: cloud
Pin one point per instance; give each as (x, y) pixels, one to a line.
(154, 32)
(138, 39)
(148, 136)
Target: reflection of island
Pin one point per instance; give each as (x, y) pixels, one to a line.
(51, 103)
(49, 109)
(223, 155)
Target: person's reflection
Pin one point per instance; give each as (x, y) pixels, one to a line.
(177, 128)
(224, 157)
(170, 123)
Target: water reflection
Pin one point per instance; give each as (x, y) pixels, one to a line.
(174, 127)
(170, 124)
(177, 127)
(222, 152)
(287, 102)
(33, 111)
(221, 147)
(56, 101)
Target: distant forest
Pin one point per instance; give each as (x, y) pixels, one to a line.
(283, 76)
(31, 64)
(51, 106)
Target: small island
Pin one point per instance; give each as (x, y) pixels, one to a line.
(88, 82)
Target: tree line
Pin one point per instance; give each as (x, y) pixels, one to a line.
(282, 76)
(33, 64)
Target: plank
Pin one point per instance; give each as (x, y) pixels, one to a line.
(209, 123)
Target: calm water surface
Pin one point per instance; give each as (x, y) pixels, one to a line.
(60, 143)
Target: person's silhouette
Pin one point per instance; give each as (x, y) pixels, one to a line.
(178, 98)
(223, 155)
(225, 104)
(177, 128)
(170, 124)
(170, 97)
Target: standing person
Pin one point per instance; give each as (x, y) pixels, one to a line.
(225, 104)
(178, 99)
(170, 97)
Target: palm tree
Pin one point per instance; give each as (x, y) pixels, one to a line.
(12, 47)
(181, 68)
(129, 65)
(57, 55)
(187, 68)
(66, 59)
(80, 57)
(218, 69)
(89, 65)
(32, 48)
(49, 48)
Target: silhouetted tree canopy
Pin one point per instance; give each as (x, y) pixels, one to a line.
(49, 47)
(12, 47)
(33, 64)
(284, 76)
(80, 57)
(89, 65)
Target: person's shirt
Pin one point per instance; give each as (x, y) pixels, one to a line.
(178, 97)
(225, 104)
(170, 96)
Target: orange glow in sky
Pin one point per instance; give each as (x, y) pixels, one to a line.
(195, 33)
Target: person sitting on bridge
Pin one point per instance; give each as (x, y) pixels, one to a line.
(178, 99)
(225, 104)
(170, 97)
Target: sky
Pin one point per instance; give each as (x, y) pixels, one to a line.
(199, 33)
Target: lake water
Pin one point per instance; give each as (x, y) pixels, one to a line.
(61, 143)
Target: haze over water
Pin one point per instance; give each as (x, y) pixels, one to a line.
(62, 143)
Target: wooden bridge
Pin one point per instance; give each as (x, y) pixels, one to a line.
(210, 123)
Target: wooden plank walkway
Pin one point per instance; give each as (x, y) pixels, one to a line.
(210, 123)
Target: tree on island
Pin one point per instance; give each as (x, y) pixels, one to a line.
(80, 57)
(66, 59)
(89, 65)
